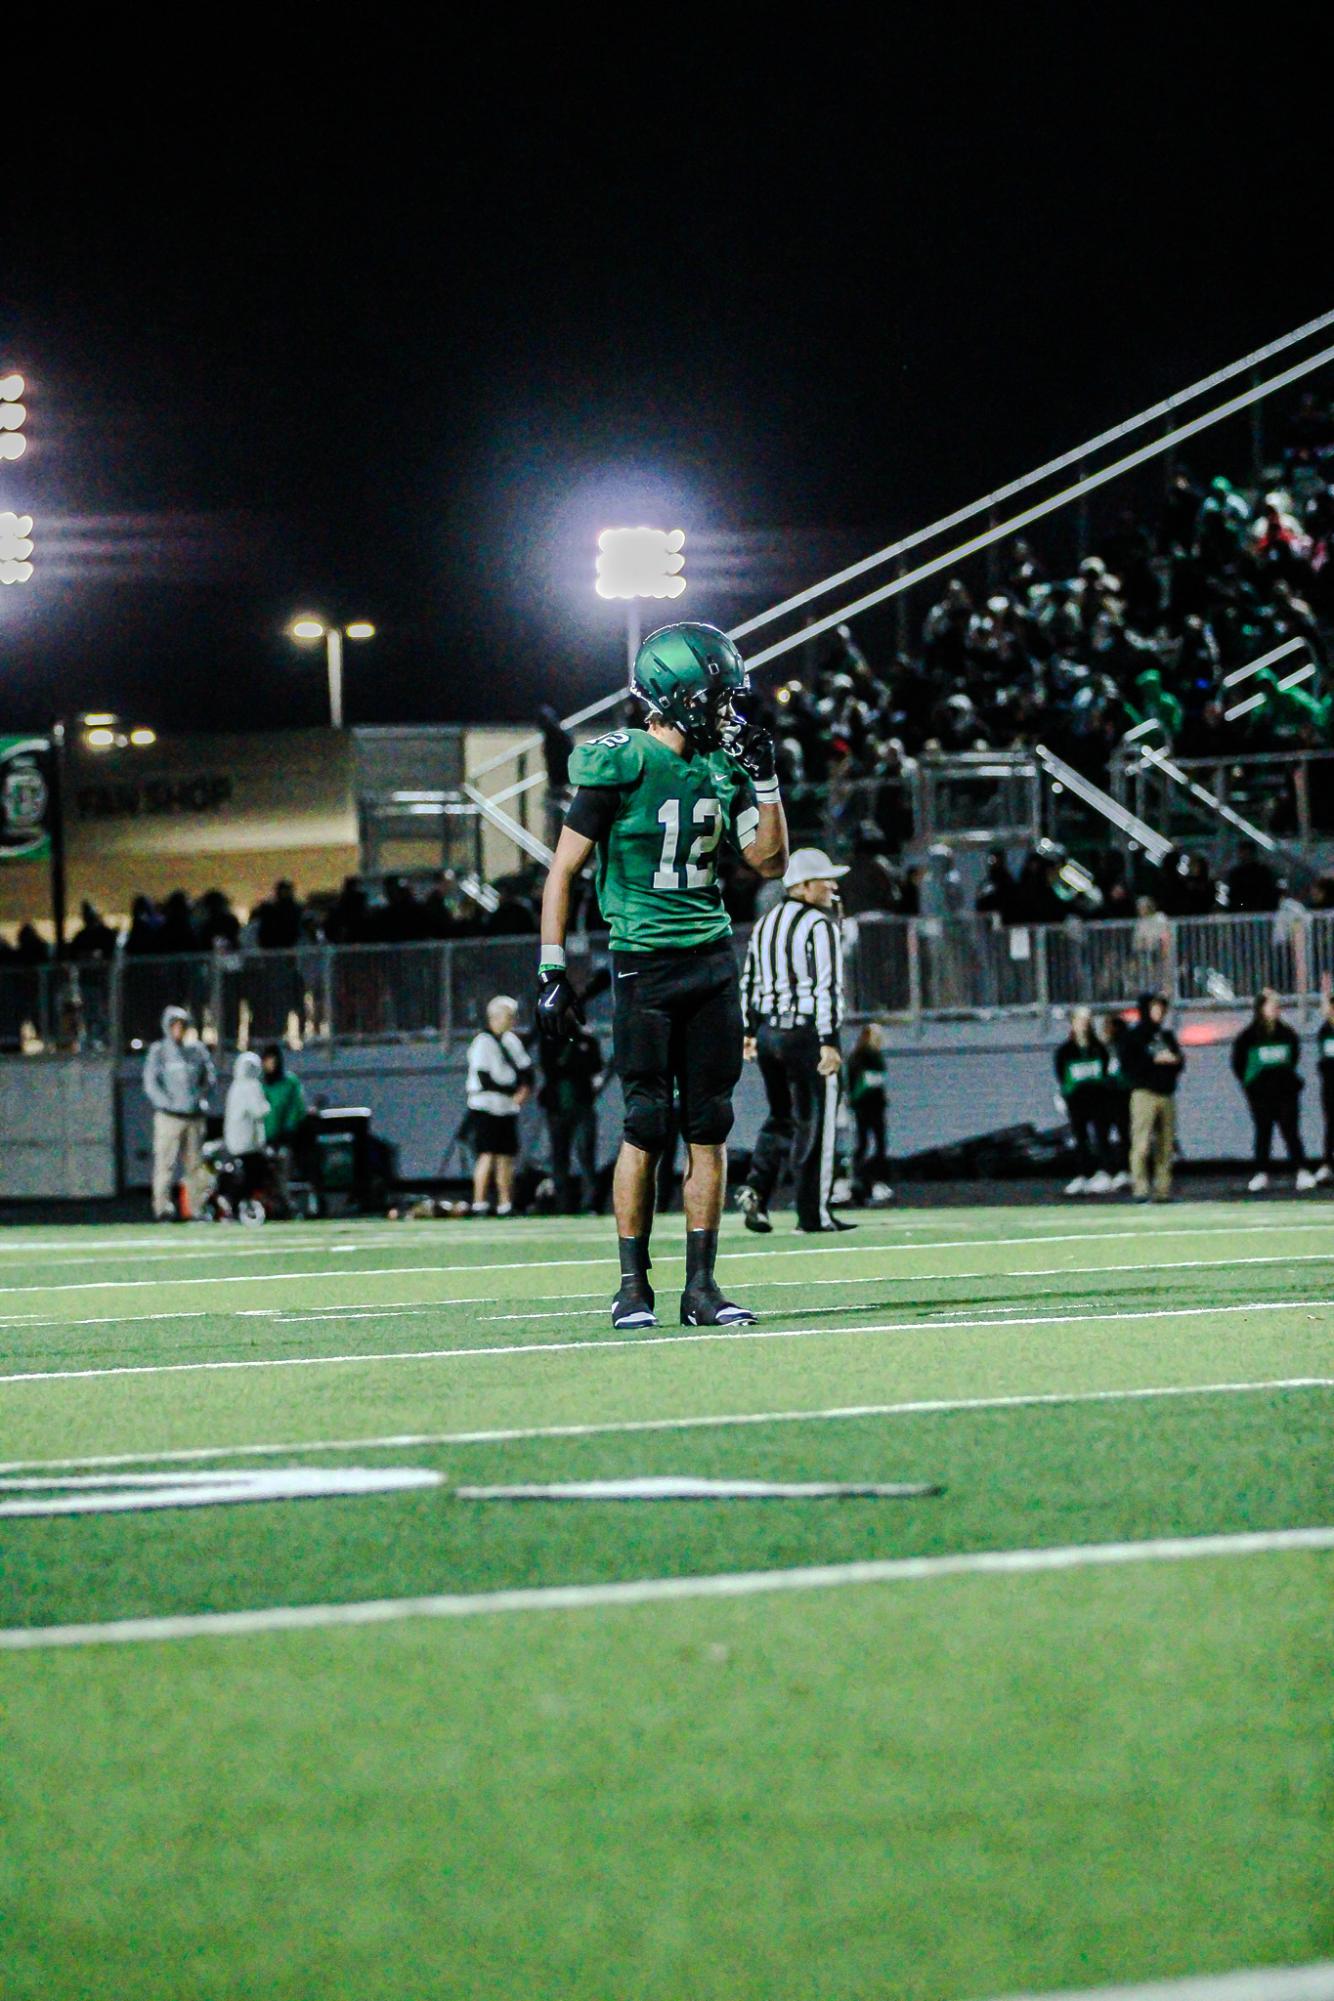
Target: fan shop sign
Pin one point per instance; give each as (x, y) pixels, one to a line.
(128, 799)
(25, 798)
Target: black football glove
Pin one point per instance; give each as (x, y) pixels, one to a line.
(560, 1012)
(755, 751)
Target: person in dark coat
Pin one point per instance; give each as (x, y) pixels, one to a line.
(1265, 1060)
(1152, 1060)
(1324, 1043)
(571, 1076)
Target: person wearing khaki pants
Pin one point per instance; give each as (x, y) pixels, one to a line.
(1153, 1138)
(178, 1076)
(177, 1155)
(1153, 1063)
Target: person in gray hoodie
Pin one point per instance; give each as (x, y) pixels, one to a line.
(178, 1076)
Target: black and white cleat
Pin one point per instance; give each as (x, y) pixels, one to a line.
(705, 1306)
(754, 1211)
(633, 1306)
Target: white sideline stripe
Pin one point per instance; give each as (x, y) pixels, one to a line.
(921, 1407)
(924, 1326)
(841, 1249)
(659, 1590)
(906, 1278)
(1258, 1983)
(285, 1317)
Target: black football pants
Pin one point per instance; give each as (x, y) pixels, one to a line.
(803, 1106)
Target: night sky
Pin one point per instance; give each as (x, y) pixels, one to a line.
(393, 331)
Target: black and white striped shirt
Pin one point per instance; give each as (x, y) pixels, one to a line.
(794, 970)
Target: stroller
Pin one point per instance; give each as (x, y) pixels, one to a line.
(245, 1188)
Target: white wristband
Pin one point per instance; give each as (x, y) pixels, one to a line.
(766, 791)
(551, 955)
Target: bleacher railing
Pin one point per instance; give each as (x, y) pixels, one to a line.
(906, 969)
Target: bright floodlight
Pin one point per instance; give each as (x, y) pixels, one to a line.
(307, 628)
(360, 628)
(15, 536)
(11, 388)
(15, 544)
(641, 563)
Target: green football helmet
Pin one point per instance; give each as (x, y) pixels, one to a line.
(688, 674)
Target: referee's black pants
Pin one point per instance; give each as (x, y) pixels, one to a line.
(800, 1124)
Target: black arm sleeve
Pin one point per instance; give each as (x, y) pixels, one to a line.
(592, 811)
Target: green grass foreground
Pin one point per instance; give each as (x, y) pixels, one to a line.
(947, 1788)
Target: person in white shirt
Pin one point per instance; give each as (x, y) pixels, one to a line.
(499, 1069)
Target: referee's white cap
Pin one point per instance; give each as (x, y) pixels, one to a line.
(811, 865)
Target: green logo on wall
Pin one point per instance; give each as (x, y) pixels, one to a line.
(25, 798)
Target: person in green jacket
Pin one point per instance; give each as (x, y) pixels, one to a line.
(1081, 1078)
(287, 1101)
(1265, 1057)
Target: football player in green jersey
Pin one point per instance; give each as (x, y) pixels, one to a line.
(657, 803)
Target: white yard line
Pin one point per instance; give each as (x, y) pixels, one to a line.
(948, 1277)
(659, 1590)
(841, 1249)
(646, 1341)
(920, 1407)
(285, 1317)
(1259, 1983)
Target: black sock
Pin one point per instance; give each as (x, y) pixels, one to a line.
(701, 1250)
(635, 1260)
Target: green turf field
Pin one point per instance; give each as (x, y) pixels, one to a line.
(480, 1762)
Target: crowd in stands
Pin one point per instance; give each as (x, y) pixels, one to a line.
(1144, 630)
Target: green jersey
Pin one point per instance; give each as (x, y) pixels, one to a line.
(657, 869)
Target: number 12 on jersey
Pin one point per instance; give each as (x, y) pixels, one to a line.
(698, 870)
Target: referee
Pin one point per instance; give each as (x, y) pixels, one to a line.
(792, 1003)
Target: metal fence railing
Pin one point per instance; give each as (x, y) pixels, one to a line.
(917, 968)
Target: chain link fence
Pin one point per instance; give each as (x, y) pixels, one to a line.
(908, 968)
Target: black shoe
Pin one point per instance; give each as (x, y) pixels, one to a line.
(754, 1210)
(703, 1305)
(831, 1228)
(633, 1305)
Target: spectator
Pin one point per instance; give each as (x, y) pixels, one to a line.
(178, 1076)
(349, 918)
(31, 948)
(572, 1073)
(146, 929)
(1324, 1041)
(217, 926)
(498, 1071)
(246, 1108)
(278, 920)
(1081, 1078)
(1265, 1059)
(868, 1095)
(1252, 886)
(1116, 1108)
(94, 939)
(285, 1100)
(1153, 1063)
(998, 894)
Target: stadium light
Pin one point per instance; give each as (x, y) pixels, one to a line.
(635, 563)
(15, 545)
(309, 626)
(13, 444)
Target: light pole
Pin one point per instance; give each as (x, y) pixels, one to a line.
(309, 627)
(635, 563)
